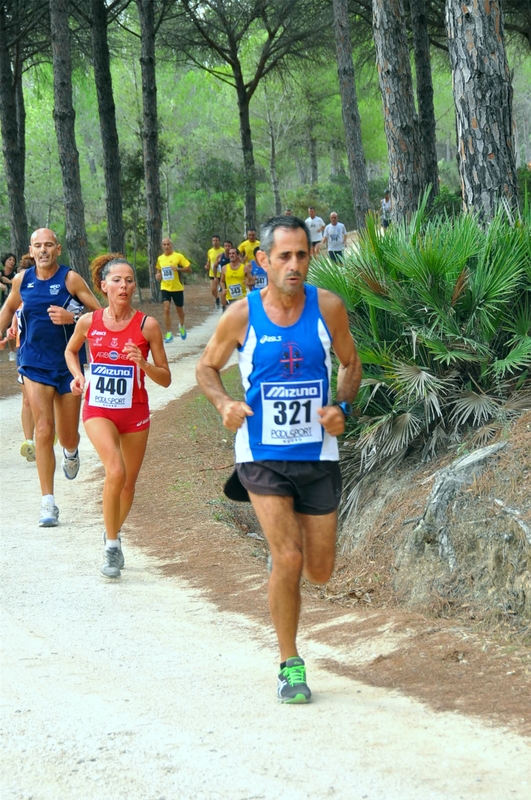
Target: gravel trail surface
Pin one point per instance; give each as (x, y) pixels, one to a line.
(140, 688)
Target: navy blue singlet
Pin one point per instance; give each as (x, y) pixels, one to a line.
(42, 344)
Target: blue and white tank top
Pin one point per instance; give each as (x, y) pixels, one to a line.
(260, 276)
(286, 377)
(42, 344)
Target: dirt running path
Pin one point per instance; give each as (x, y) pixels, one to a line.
(143, 689)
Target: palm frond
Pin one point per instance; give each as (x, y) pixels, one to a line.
(473, 407)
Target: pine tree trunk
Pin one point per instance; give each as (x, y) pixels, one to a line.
(150, 140)
(400, 119)
(314, 167)
(247, 150)
(351, 117)
(273, 161)
(13, 138)
(483, 98)
(426, 110)
(109, 132)
(64, 118)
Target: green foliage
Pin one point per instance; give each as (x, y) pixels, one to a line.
(447, 204)
(441, 313)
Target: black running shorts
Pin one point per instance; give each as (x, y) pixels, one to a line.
(177, 297)
(314, 485)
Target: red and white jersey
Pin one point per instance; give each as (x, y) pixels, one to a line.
(114, 381)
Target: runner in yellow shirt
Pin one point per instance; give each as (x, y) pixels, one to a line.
(212, 256)
(247, 247)
(233, 277)
(168, 268)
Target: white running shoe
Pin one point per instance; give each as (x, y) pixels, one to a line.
(27, 450)
(12, 356)
(70, 465)
(49, 515)
(111, 566)
(121, 560)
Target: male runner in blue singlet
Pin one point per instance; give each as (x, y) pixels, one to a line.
(286, 448)
(49, 291)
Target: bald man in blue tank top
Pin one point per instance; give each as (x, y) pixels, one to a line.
(286, 448)
(52, 295)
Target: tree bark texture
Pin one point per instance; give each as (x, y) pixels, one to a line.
(426, 110)
(150, 139)
(273, 161)
(400, 119)
(12, 115)
(483, 99)
(351, 117)
(64, 118)
(109, 131)
(247, 148)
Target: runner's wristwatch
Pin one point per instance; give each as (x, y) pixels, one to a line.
(345, 407)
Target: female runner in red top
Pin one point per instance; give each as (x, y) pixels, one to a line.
(116, 411)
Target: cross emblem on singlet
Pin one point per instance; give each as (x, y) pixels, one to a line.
(291, 359)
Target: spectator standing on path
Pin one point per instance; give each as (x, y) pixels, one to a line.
(286, 448)
(316, 227)
(48, 290)
(335, 236)
(247, 247)
(386, 209)
(116, 408)
(212, 256)
(168, 268)
(7, 274)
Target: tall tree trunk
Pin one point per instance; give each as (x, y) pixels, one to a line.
(13, 138)
(109, 131)
(314, 165)
(351, 117)
(150, 139)
(64, 118)
(273, 160)
(426, 110)
(247, 149)
(400, 119)
(483, 98)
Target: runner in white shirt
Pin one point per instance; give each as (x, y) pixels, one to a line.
(335, 235)
(316, 227)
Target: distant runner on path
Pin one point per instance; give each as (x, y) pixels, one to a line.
(116, 409)
(168, 268)
(52, 295)
(211, 267)
(286, 448)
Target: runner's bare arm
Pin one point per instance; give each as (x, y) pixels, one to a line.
(72, 349)
(12, 303)
(229, 334)
(349, 373)
(79, 288)
(158, 371)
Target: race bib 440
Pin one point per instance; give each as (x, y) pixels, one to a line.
(111, 386)
(289, 412)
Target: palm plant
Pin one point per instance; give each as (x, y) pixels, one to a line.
(441, 314)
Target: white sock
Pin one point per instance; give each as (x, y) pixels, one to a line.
(113, 542)
(70, 454)
(29, 441)
(48, 498)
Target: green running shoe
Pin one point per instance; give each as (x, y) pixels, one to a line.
(292, 686)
